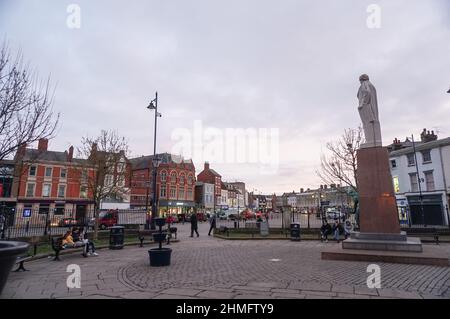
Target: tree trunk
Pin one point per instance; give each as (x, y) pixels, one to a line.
(96, 221)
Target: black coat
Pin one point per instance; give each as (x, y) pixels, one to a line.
(194, 222)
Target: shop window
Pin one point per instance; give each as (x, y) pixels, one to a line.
(59, 210)
(44, 209)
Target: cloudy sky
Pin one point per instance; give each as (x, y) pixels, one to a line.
(290, 65)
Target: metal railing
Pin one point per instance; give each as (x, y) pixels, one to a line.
(23, 223)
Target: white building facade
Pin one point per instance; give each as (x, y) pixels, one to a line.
(421, 182)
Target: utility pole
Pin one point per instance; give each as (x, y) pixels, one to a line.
(419, 182)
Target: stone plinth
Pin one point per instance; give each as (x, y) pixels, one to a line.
(378, 207)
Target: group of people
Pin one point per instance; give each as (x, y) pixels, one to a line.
(194, 224)
(337, 229)
(77, 237)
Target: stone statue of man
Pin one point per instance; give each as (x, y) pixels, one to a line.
(368, 111)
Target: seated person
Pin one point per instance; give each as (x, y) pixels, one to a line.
(90, 244)
(325, 230)
(67, 240)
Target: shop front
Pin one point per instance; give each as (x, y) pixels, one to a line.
(177, 208)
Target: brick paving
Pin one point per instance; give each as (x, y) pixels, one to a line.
(207, 267)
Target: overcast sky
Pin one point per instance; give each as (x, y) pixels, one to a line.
(291, 65)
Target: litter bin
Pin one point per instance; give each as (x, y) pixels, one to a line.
(295, 231)
(116, 237)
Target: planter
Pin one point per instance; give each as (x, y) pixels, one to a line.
(160, 257)
(9, 251)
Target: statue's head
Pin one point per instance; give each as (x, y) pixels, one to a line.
(363, 78)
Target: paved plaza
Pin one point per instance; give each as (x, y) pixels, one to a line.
(207, 267)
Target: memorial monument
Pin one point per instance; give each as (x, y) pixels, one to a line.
(380, 237)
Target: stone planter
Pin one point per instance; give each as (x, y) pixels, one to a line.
(160, 257)
(9, 251)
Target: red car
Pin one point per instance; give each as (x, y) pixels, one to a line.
(107, 219)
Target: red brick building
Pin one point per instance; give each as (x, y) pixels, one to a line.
(210, 176)
(175, 184)
(50, 181)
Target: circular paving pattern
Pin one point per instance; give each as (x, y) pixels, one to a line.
(227, 262)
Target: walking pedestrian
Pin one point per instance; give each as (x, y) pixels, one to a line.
(194, 225)
(212, 223)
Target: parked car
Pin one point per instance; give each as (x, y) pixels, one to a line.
(67, 222)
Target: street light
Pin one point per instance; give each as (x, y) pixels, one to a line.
(155, 161)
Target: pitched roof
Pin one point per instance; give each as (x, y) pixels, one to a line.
(145, 162)
(421, 147)
(49, 156)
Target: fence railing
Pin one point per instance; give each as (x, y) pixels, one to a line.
(32, 222)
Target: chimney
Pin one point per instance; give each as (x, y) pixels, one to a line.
(325, 186)
(70, 155)
(206, 166)
(301, 190)
(21, 150)
(43, 144)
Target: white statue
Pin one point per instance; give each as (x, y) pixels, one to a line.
(368, 111)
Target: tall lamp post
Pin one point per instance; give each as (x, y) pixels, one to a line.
(155, 161)
(419, 180)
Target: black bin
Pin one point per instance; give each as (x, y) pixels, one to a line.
(295, 231)
(116, 237)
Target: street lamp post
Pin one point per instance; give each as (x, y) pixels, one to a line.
(419, 182)
(155, 161)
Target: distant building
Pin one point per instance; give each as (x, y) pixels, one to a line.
(210, 176)
(51, 181)
(421, 179)
(175, 184)
(204, 197)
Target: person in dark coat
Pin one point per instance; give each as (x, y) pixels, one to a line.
(194, 225)
(212, 223)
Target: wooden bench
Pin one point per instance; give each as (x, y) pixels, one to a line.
(34, 242)
(57, 246)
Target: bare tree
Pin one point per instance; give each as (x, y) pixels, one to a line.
(26, 113)
(105, 171)
(340, 165)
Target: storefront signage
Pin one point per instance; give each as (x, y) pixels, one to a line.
(26, 212)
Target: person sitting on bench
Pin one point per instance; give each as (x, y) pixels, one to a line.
(80, 236)
(67, 240)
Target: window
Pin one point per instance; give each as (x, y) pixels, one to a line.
(396, 184)
(30, 190)
(63, 173)
(162, 191)
(84, 176)
(48, 172)
(44, 209)
(190, 180)
(173, 178)
(189, 195)
(181, 179)
(62, 191)
(108, 180)
(393, 164)
(414, 182)
(411, 160)
(32, 171)
(426, 155)
(59, 210)
(163, 176)
(429, 180)
(181, 193)
(121, 181)
(120, 167)
(83, 191)
(46, 190)
(173, 192)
